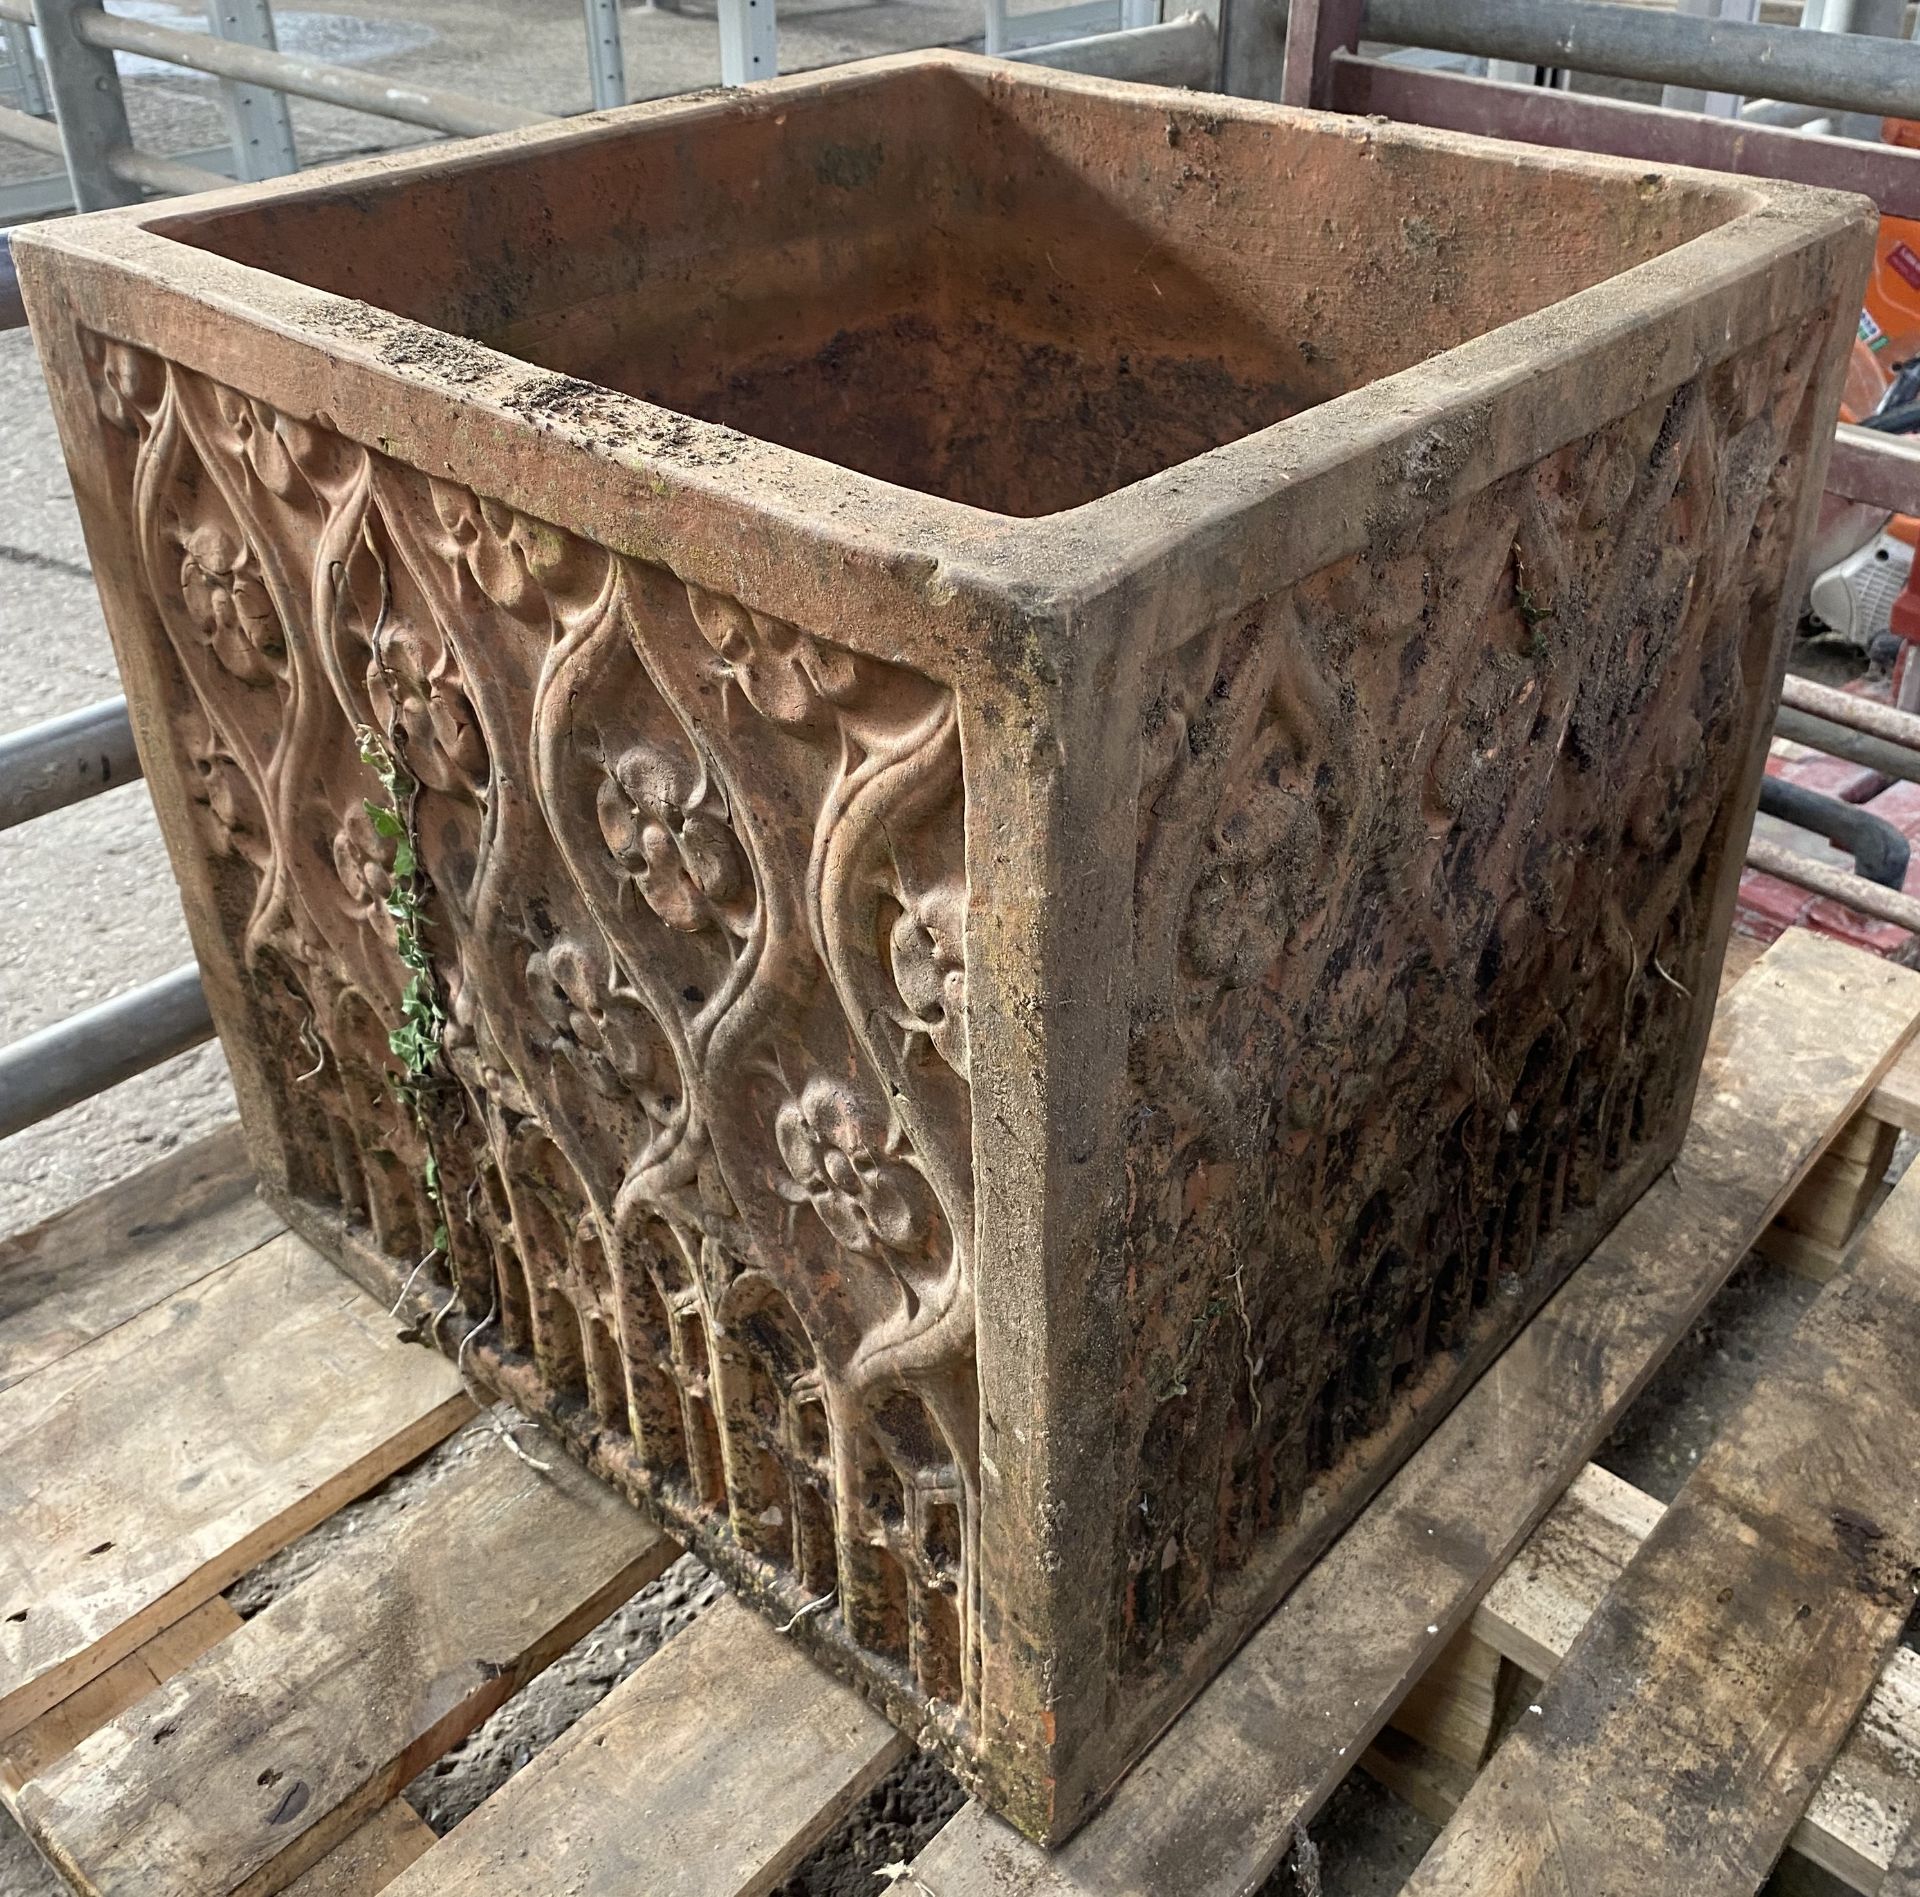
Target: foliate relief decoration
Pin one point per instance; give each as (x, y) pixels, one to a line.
(695, 898)
(1426, 858)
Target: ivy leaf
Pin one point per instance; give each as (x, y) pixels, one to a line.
(386, 822)
(403, 859)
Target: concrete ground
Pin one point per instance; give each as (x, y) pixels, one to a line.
(87, 906)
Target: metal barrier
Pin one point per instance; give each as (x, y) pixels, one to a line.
(90, 1052)
(74, 77)
(45, 768)
(48, 766)
(1308, 55)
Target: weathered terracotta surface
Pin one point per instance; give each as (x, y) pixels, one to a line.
(1077, 755)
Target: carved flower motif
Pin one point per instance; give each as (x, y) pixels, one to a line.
(360, 856)
(785, 674)
(221, 585)
(223, 791)
(661, 826)
(929, 968)
(1264, 873)
(418, 695)
(608, 1036)
(842, 1159)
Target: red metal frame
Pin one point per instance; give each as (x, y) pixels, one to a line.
(1883, 470)
(1888, 174)
(1316, 30)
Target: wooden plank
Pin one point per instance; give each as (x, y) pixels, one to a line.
(1742, 953)
(366, 1863)
(251, 1765)
(1451, 1708)
(1536, 1609)
(40, 1742)
(1897, 1098)
(1699, 1707)
(1835, 1195)
(143, 1472)
(711, 1772)
(1805, 1257)
(120, 1252)
(1903, 1873)
(1429, 1781)
(1797, 1046)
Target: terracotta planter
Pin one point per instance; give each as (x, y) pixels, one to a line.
(1077, 758)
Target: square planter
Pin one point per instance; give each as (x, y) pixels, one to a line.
(982, 812)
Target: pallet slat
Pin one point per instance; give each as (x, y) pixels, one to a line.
(1798, 1046)
(711, 1772)
(144, 1471)
(1903, 1874)
(368, 1862)
(1535, 1611)
(1897, 1098)
(248, 1767)
(1700, 1705)
(120, 1252)
(41, 1742)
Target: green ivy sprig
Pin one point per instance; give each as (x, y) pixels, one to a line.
(415, 1042)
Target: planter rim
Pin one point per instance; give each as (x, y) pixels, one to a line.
(1680, 312)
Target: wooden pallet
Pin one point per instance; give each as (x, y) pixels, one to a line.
(184, 1389)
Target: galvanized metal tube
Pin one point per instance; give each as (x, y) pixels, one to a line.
(1875, 754)
(1840, 71)
(92, 1051)
(432, 107)
(1181, 52)
(168, 176)
(1841, 885)
(1848, 708)
(48, 766)
(22, 128)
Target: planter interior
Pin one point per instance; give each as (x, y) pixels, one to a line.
(1028, 953)
(988, 293)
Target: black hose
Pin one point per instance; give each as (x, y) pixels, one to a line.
(1879, 851)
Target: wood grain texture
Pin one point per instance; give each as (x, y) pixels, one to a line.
(1536, 1609)
(711, 1772)
(1450, 1709)
(1837, 1193)
(1897, 1098)
(1797, 1046)
(41, 1742)
(247, 1768)
(369, 1861)
(1903, 1873)
(1700, 1705)
(121, 1251)
(143, 1472)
